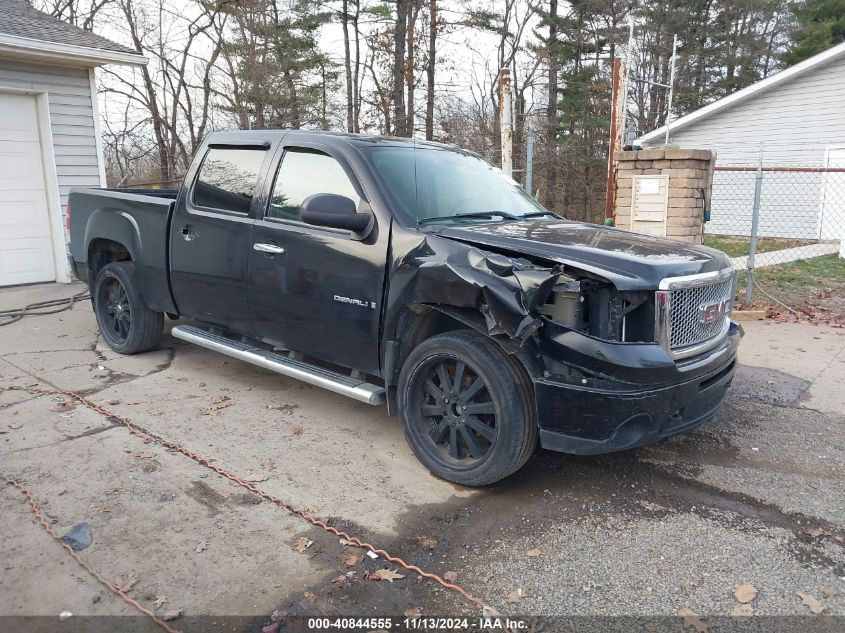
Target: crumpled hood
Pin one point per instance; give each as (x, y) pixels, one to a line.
(631, 261)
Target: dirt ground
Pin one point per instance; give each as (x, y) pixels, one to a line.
(757, 497)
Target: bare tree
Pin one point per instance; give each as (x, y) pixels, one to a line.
(399, 35)
(432, 60)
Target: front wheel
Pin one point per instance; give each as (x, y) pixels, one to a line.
(466, 409)
(128, 326)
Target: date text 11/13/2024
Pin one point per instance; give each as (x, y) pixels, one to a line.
(417, 624)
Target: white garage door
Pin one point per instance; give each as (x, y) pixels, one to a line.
(26, 249)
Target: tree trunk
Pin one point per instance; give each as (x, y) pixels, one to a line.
(399, 68)
(409, 67)
(551, 112)
(350, 105)
(356, 86)
(429, 93)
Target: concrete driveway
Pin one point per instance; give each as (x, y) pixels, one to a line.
(757, 497)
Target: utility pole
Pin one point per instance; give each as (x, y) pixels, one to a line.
(506, 120)
(529, 162)
(671, 87)
(613, 141)
(629, 60)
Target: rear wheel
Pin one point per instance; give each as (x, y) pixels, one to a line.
(128, 326)
(465, 409)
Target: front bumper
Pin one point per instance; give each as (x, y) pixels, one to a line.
(620, 396)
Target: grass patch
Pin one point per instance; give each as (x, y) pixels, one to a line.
(818, 282)
(737, 246)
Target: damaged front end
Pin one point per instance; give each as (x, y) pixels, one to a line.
(602, 380)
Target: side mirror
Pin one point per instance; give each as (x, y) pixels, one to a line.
(333, 211)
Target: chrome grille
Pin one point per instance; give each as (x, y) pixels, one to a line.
(684, 327)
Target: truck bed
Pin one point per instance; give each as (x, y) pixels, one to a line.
(124, 216)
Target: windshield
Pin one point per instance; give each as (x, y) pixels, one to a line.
(432, 185)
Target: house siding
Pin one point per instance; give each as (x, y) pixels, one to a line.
(792, 124)
(71, 118)
(795, 122)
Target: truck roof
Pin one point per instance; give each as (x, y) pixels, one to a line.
(354, 139)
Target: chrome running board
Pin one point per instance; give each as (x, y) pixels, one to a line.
(343, 384)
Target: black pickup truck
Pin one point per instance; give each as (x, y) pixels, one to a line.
(416, 275)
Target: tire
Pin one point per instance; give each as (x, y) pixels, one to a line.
(128, 326)
(473, 434)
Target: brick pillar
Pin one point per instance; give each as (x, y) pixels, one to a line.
(690, 179)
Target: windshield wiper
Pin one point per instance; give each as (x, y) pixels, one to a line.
(472, 214)
(540, 214)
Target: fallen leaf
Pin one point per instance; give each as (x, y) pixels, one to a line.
(451, 576)
(125, 583)
(829, 591)
(413, 612)
(343, 541)
(745, 593)
(428, 542)
(297, 430)
(310, 597)
(816, 532)
(351, 559)
(143, 455)
(257, 477)
(302, 543)
(518, 595)
(307, 509)
(159, 602)
(217, 403)
(490, 612)
(811, 603)
(691, 619)
(385, 574)
(64, 407)
(171, 615)
(279, 615)
(199, 549)
(742, 611)
(535, 553)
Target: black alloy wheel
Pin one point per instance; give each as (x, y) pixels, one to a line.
(467, 408)
(117, 308)
(128, 326)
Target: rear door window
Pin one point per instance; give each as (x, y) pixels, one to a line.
(227, 179)
(304, 172)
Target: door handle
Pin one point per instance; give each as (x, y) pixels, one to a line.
(268, 248)
(189, 232)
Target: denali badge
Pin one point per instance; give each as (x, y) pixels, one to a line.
(709, 312)
(356, 302)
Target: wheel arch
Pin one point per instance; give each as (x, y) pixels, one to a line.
(422, 321)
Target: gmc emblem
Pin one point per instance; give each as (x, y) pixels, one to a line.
(709, 312)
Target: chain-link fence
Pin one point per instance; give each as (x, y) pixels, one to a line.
(769, 216)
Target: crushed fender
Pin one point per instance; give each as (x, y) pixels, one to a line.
(506, 291)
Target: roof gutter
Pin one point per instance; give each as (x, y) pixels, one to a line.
(68, 54)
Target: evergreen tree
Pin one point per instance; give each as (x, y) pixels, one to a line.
(822, 25)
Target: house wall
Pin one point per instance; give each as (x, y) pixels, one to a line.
(796, 121)
(71, 118)
(793, 124)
